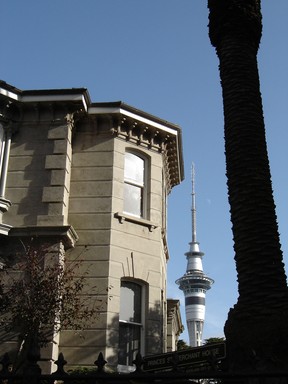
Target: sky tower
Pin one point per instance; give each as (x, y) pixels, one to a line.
(194, 283)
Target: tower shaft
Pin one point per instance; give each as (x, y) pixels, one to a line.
(194, 283)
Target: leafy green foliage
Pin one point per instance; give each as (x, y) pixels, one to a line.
(181, 344)
(212, 340)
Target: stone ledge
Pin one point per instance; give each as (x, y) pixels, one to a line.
(4, 229)
(4, 204)
(136, 220)
(66, 233)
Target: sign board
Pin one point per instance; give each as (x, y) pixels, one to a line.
(185, 357)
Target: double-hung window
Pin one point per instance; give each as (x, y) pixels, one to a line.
(130, 322)
(134, 185)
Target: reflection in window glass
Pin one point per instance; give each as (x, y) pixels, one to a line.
(134, 184)
(133, 200)
(130, 305)
(130, 324)
(129, 343)
(134, 169)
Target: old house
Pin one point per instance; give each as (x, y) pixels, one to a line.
(96, 176)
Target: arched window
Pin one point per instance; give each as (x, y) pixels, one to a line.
(134, 185)
(130, 322)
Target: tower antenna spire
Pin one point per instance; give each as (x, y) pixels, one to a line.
(194, 283)
(193, 209)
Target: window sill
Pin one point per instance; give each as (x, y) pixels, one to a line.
(136, 220)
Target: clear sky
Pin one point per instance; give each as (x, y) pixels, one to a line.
(156, 56)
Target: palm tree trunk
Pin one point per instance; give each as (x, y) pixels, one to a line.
(255, 329)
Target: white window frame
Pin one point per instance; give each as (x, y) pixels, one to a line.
(125, 368)
(144, 188)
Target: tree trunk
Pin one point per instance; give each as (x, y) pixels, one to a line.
(256, 328)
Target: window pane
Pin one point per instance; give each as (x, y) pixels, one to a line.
(133, 200)
(134, 169)
(130, 312)
(130, 304)
(129, 343)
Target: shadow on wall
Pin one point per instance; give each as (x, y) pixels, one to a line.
(27, 174)
(152, 338)
(83, 348)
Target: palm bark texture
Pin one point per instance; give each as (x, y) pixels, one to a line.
(256, 330)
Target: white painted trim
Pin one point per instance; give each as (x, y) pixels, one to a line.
(101, 110)
(44, 98)
(9, 94)
(148, 121)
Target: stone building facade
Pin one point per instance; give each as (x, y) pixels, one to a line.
(92, 179)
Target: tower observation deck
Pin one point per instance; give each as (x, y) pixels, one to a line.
(194, 283)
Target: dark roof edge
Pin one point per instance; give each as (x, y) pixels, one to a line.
(46, 92)
(10, 87)
(64, 91)
(19, 94)
(130, 108)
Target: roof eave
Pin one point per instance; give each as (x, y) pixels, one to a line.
(46, 95)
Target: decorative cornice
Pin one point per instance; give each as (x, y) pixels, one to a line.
(141, 134)
(129, 123)
(66, 233)
(152, 136)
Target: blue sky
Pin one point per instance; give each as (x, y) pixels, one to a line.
(155, 55)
